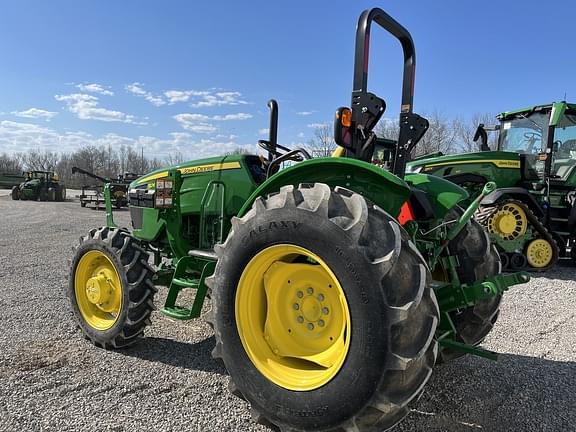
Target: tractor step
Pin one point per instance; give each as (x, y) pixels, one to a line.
(181, 280)
(177, 312)
(186, 283)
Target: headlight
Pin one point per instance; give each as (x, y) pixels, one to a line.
(163, 193)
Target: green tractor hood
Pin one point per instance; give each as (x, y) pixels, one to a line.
(191, 167)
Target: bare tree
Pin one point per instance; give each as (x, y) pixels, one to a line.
(322, 144)
(174, 158)
(10, 164)
(466, 129)
(37, 160)
(238, 151)
(388, 128)
(440, 137)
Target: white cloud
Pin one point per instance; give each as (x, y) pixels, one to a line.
(35, 113)
(220, 99)
(301, 135)
(264, 131)
(95, 88)
(197, 123)
(227, 117)
(204, 98)
(175, 96)
(200, 123)
(138, 90)
(86, 108)
(305, 113)
(318, 125)
(18, 137)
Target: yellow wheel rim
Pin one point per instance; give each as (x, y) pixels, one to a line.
(98, 290)
(539, 253)
(509, 222)
(292, 317)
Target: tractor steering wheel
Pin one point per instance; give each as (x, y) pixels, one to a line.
(297, 155)
(266, 145)
(532, 137)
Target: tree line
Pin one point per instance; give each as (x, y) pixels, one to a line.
(103, 161)
(445, 135)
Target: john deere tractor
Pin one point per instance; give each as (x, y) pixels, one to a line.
(334, 284)
(40, 185)
(532, 216)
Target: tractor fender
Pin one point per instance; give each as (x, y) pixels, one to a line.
(442, 194)
(375, 184)
(516, 193)
(463, 178)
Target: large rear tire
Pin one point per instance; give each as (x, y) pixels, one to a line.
(110, 288)
(15, 193)
(60, 193)
(51, 196)
(312, 254)
(478, 259)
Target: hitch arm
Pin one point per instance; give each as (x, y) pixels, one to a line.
(452, 297)
(469, 212)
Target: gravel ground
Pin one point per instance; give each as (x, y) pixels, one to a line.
(51, 379)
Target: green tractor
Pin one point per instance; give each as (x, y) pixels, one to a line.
(40, 185)
(334, 284)
(532, 215)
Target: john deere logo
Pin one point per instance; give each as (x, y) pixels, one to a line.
(198, 169)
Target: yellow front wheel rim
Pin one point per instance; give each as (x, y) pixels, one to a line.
(539, 253)
(509, 222)
(292, 317)
(98, 290)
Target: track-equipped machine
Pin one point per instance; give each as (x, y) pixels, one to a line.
(40, 185)
(334, 284)
(532, 216)
(93, 196)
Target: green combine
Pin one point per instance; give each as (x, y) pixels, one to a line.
(532, 216)
(40, 186)
(334, 285)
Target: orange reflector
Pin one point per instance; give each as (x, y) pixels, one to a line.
(346, 119)
(406, 214)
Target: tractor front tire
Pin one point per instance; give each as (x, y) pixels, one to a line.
(61, 194)
(15, 193)
(478, 259)
(323, 312)
(110, 287)
(42, 195)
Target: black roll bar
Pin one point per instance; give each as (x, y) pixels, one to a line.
(273, 130)
(367, 108)
(363, 52)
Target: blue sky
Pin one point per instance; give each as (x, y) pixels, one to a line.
(194, 76)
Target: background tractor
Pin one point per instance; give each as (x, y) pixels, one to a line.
(532, 216)
(334, 283)
(93, 196)
(40, 185)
